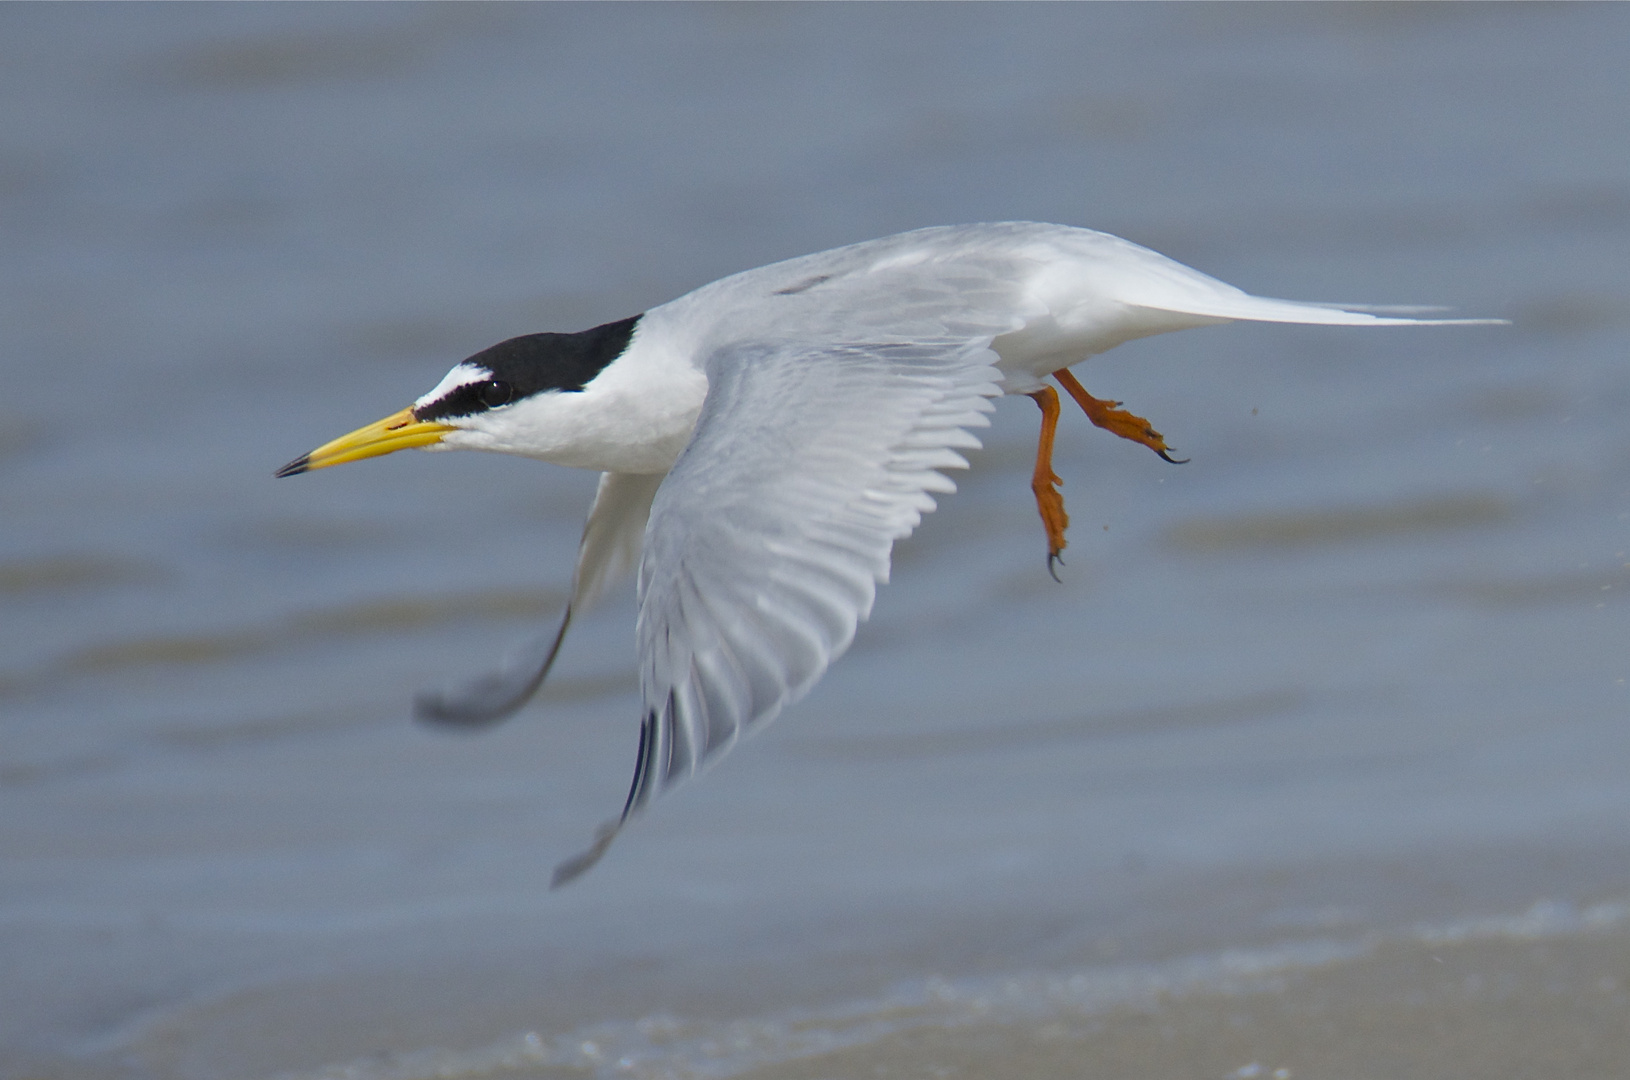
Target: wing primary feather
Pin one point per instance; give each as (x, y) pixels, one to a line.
(642, 765)
(492, 697)
(638, 792)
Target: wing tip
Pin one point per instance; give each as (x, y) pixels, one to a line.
(639, 793)
(490, 698)
(434, 708)
(569, 870)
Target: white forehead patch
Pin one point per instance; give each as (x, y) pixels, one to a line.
(462, 375)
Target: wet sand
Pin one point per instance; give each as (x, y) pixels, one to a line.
(1490, 1009)
(1540, 993)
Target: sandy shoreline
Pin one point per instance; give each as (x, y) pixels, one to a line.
(1490, 1008)
(1541, 994)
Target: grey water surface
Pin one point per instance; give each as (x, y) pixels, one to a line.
(1360, 665)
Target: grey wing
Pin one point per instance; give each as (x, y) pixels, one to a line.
(769, 537)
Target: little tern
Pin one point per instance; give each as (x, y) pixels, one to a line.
(764, 440)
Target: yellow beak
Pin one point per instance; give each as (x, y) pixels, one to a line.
(398, 431)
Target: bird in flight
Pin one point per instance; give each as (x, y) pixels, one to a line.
(764, 440)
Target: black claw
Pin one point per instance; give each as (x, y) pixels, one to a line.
(1054, 557)
(1164, 456)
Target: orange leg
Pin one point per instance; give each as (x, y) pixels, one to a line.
(1045, 482)
(1109, 416)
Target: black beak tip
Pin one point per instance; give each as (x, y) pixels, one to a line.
(295, 467)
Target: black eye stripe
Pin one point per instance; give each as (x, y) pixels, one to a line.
(460, 401)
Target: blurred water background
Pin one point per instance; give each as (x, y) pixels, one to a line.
(1358, 669)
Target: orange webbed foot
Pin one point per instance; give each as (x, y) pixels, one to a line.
(1114, 419)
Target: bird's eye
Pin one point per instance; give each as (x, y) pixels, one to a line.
(496, 393)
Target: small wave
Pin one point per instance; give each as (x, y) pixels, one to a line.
(54, 574)
(367, 618)
(1338, 524)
